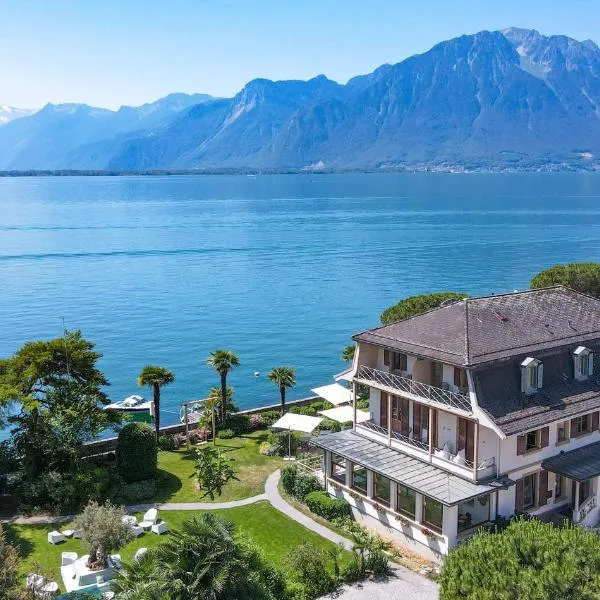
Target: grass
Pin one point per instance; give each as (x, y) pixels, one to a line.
(271, 530)
(252, 469)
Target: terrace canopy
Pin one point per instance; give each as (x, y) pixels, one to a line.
(295, 422)
(345, 414)
(580, 464)
(334, 393)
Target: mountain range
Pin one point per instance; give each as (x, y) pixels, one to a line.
(495, 99)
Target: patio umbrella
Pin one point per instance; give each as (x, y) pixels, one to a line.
(295, 422)
(345, 414)
(334, 393)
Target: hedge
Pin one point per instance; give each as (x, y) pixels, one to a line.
(136, 453)
(298, 485)
(325, 506)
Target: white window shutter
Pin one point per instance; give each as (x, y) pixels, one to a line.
(524, 379)
(591, 364)
(540, 375)
(577, 365)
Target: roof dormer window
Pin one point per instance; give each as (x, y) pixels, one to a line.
(532, 374)
(583, 363)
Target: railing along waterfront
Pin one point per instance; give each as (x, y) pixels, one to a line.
(434, 394)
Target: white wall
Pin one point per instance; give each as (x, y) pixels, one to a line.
(374, 404)
(447, 424)
(488, 443)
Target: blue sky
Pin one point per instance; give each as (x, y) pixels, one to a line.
(113, 52)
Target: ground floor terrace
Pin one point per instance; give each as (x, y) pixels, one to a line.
(418, 504)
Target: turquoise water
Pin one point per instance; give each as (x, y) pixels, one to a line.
(282, 269)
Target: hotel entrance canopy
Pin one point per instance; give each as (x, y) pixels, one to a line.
(580, 464)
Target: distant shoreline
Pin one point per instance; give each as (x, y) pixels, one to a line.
(454, 169)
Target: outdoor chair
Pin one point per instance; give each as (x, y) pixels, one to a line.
(159, 528)
(55, 537)
(149, 519)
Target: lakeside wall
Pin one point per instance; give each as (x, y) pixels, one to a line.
(109, 444)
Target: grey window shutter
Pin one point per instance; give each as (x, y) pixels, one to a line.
(519, 496)
(544, 437)
(543, 488)
(540, 375)
(591, 364)
(521, 444)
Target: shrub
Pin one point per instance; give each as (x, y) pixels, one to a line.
(212, 471)
(288, 476)
(139, 490)
(362, 404)
(270, 416)
(529, 559)
(239, 424)
(136, 453)
(256, 421)
(298, 485)
(308, 566)
(226, 434)
(329, 425)
(325, 506)
(267, 449)
(351, 571)
(284, 442)
(168, 442)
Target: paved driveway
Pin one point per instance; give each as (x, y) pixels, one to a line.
(401, 585)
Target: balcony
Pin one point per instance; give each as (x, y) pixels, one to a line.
(420, 449)
(415, 390)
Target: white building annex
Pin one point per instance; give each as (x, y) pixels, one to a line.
(481, 408)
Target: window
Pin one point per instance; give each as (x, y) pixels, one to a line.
(583, 363)
(531, 375)
(406, 501)
(386, 357)
(560, 487)
(359, 479)
(473, 512)
(437, 370)
(400, 362)
(381, 489)
(585, 490)
(562, 432)
(581, 425)
(338, 468)
(532, 440)
(433, 513)
(529, 488)
(460, 378)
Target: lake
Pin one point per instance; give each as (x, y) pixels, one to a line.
(282, 269)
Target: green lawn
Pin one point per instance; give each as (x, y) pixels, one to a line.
(252, 470)
(272, 531)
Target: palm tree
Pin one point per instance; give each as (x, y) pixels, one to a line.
(223, 361)
(348, 353)
(203, 560)
(155, 377)
(284, 377)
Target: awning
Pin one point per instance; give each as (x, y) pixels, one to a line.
(416, 474)
(334, 393)
(344, 375)
(580, 464)
(345, 414)
(295, 422)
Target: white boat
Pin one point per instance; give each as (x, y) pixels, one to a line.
(135, 405)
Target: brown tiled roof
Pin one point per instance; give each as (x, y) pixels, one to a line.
(478, 330)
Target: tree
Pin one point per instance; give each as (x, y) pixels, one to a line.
(103, 531)
(582, 277)
(137, 452)
(284, 377)
(223, 361)
(204, 560)
(212, 471)
(156, 378)
(58, 391)
(9, 570)
(530, 560)
(348, 353)
(416, 305)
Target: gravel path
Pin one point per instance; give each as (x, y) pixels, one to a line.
(402, 584)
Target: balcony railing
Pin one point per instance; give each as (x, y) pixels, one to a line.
(433, 394)
(438, 453)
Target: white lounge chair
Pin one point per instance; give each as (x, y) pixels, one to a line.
(159, 528)
(68, 558)
(55, 537)
(149, 519)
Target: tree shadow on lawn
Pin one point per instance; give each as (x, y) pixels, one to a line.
(168, 484)
(24, 546)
